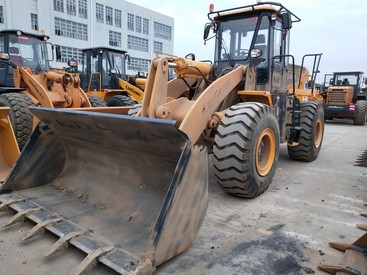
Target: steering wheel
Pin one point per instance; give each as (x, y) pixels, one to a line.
(241, 52)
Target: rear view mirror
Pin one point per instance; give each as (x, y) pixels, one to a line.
(286, 20)
(4, 56)
(206, 31)
(207, 28)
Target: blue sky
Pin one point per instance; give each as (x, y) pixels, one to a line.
(335, 28)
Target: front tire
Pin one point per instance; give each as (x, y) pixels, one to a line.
(246, 149)
(311, 137)
(360, 113)
(21, 117)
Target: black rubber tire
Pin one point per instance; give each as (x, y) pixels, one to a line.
(21, 117)
(360, 112)
(96, 101)
(311, 137)
(120, 100)
(246, 149)
(134, 110)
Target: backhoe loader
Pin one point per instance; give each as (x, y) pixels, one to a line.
(132, 191)
(104, 75)
(26, 79)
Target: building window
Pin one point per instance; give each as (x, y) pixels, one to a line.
(83, 8)
(71, 29)
(138, 24)
(59, 5)
(145, 26)
(34, 21)
(109, 15)
(130, 22)
(158, 46)
(99, 12)
(68, 53)
(118, 18)
(2, 21)
(162, 31)
(138, 64)
(137, 43)
(115, 39)
(71, 7)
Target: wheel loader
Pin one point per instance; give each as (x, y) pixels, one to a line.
(26, 79)
(131, 191)
(104, 75)
(345, 97)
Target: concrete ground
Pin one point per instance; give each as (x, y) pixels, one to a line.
(284, 231)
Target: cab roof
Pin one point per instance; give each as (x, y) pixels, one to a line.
(19, 32)
(275, 7)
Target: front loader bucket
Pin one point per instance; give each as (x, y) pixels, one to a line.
(130, 192)
(9, 150)
(354, 260)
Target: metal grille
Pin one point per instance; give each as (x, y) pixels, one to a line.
(337, 96)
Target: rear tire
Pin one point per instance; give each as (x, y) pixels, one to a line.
(120, 100)
(310, 140)
(21, 117)
(96, 101)
(360, 112)
(246, 149)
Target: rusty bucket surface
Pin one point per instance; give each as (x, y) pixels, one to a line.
(130, 192)
(9, 150)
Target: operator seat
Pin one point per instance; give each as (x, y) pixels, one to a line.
(15, 57)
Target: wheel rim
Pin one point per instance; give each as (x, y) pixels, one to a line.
(265, 152)
(318, 133)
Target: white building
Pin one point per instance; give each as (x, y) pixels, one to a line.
(78, 24)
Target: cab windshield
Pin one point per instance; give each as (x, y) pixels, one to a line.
(345, 79)
(26, 51)
(237, 37)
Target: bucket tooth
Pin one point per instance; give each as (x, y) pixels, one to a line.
(20, 216)
(333, 269)
(91, 260)
(364, 214)
(63, 242)
(7, 200)
(362, 226)
(40, 227)
(340, 246)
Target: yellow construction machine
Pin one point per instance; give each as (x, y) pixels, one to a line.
(132, 191)
(26, 79)
(104, 75)
(345, 96)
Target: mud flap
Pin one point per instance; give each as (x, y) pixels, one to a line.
(9, 150)
(130, 192)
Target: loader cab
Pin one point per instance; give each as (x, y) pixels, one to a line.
(101, 68)
(255, 35)
(23, 50)
(349, 79)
